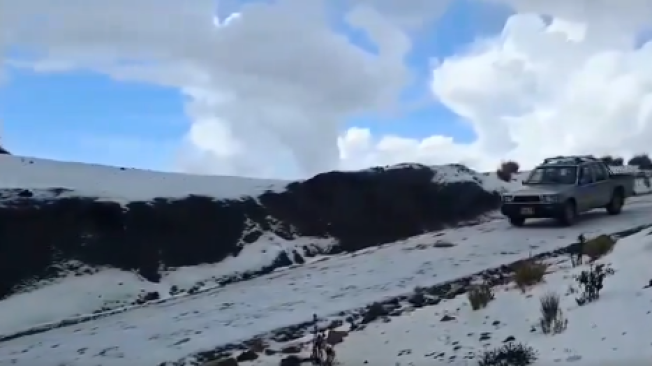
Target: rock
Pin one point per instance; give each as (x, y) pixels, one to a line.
(418, 300)
(291, 361)
(223, 362)
(248, 355)
(447, 318)
(509, 339)
(358, 209)
(256, 345)
(335, 324)
(374, 312)
(336, 337)
(291, 349)
(147, 296)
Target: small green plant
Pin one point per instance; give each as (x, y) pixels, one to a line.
(480, 296)
(598, 247)
(529, 273)
(552, 318)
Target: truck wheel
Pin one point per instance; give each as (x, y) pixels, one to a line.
(617, 202)
(568, 214)
(517, 220)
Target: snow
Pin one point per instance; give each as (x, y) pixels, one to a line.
(81, 295)
(616, 329)
(179, 327)
(114, 183)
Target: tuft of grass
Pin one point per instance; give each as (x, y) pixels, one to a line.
(598, 247)
(552, 318)
(480, 296)
(529, 273)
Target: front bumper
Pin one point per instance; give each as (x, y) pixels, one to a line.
(533, 210)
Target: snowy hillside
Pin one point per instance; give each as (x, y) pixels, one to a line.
(122, 184)
(190, 312)
(615, 329)
(199, 327)
(111, 237)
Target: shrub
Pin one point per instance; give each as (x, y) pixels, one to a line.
(506, 170)
(607, 159)
(598, 247)
(591, 282)
(642, 161)
(552, 318)
(480, 295)
(618, 162)
(529, 273)
(510, 354)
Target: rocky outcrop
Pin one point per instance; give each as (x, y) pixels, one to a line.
(41, 230)
(4, 151)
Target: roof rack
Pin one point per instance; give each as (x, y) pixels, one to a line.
(572, 159)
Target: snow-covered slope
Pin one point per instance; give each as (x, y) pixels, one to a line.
(616, 329)
(122, 184)
(205, 318)
(256, 229)
(183, 327)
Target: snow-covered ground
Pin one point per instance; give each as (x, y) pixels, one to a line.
(111, 288)
(122, 184)
(616, 329)
(180, 327)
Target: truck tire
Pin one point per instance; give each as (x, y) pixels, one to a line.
(568, 215)
(617, 202)
(517, 220)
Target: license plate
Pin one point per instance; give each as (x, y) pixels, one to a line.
(527, 211)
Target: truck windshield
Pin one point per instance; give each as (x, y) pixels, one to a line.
(553, 175)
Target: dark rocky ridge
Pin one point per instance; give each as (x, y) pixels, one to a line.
(40, 229)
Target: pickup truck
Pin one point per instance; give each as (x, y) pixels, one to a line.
(564, 187)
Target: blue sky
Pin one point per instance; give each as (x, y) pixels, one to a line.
(91, 118)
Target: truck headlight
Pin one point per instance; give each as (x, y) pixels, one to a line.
(508, 198)
(550, 198)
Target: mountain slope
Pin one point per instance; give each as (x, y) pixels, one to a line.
(616, 329)
(68, 224)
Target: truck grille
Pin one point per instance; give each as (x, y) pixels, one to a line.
(527, 199)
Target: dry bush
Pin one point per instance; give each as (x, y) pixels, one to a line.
(506, 170)
(480, 295)
(552, 318)
(598, 247)
(528, 273)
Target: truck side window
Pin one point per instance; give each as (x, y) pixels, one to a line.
(586, 175)
(600, 171)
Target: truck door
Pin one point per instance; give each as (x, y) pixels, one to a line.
(603, 185)
(587, 189)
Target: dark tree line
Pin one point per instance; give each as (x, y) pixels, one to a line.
(642, 161)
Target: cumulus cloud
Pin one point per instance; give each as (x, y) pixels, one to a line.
(269, 86)
(577, 83)
(268, 90)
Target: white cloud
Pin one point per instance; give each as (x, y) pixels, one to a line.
(577, 85)
(270, 88)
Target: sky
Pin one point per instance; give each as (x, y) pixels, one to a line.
(291, 88)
